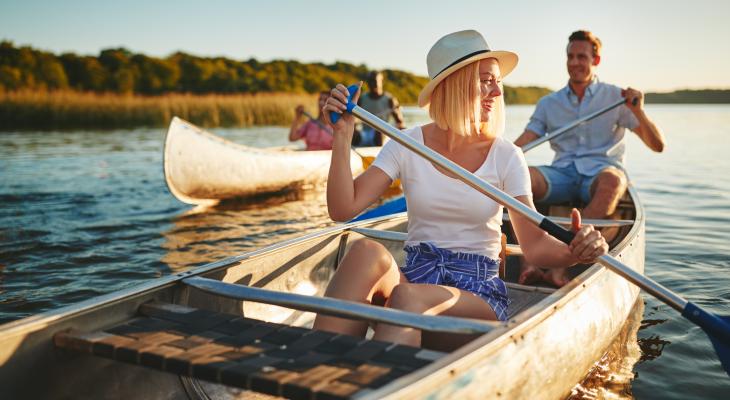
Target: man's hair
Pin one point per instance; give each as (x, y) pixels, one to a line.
(372, 75)
(588, 36)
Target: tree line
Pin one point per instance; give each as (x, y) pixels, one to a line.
(706, 96)
(124, 72)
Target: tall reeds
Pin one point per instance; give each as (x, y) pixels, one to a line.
(27, 110)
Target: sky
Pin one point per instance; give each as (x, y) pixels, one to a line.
(650, 45)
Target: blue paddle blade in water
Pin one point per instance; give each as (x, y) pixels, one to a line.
(717, 329)
(722, 350)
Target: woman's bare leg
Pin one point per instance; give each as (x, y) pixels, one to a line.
(367, 270)
(430, 300)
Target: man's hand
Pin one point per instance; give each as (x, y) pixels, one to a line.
(630, 94)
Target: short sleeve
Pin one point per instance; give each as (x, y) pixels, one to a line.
(538, 120)
(516, 180)
(627, 119)
(389, 158)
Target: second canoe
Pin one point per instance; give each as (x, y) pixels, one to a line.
(203, 169)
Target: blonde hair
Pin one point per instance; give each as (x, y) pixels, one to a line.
(456, 104)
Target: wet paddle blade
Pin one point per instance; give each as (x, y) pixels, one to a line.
(722, 350)
(717, 329)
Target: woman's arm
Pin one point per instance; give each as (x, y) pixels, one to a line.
(545, 251)
(294, 133)
(347, 197)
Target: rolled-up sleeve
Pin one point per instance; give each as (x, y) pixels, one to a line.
(538, 120)
(627, 119)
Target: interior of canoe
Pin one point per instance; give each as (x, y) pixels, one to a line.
(246, 324)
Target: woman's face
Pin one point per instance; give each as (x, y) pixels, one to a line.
(490, 86)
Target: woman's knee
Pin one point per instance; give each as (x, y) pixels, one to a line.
(405, 297)
(371, 252)
(368, 264)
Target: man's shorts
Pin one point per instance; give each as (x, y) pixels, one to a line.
(565, 185)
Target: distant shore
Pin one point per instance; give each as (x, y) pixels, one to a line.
(67, 109)
(706, 96)
(120, 89)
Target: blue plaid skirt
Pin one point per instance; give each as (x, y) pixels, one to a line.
(475, 273)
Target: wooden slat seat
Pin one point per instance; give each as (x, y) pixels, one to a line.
(250, 354)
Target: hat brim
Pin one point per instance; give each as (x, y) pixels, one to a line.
(507, 62)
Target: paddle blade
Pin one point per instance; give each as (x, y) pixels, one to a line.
(722, 350)
(392, 207)
(352, 89)
(717, 329)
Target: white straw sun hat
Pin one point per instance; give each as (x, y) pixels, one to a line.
(456, 50)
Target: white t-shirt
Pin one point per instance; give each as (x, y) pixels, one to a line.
(445, 211)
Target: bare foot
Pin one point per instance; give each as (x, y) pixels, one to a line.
(557, 277)
(530, 274)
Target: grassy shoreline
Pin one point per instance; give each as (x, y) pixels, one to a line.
(63, 110)
(68, 109)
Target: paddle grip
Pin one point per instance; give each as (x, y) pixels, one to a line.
(352, 89)
(557, 231)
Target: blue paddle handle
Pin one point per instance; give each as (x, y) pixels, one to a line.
(557, 231)
(352, 89)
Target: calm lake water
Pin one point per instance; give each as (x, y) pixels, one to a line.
(87, 213)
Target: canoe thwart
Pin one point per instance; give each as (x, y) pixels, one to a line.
(269, 358)
(393, 236)
(598, 223)
(342, 308)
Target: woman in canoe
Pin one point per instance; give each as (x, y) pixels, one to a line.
(454, 237)
(316, 133)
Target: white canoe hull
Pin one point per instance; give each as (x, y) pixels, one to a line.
(541, 353)
(203, 169)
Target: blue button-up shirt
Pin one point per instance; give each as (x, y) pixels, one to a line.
(591, 146)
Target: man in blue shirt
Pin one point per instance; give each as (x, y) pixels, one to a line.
(589, 160)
